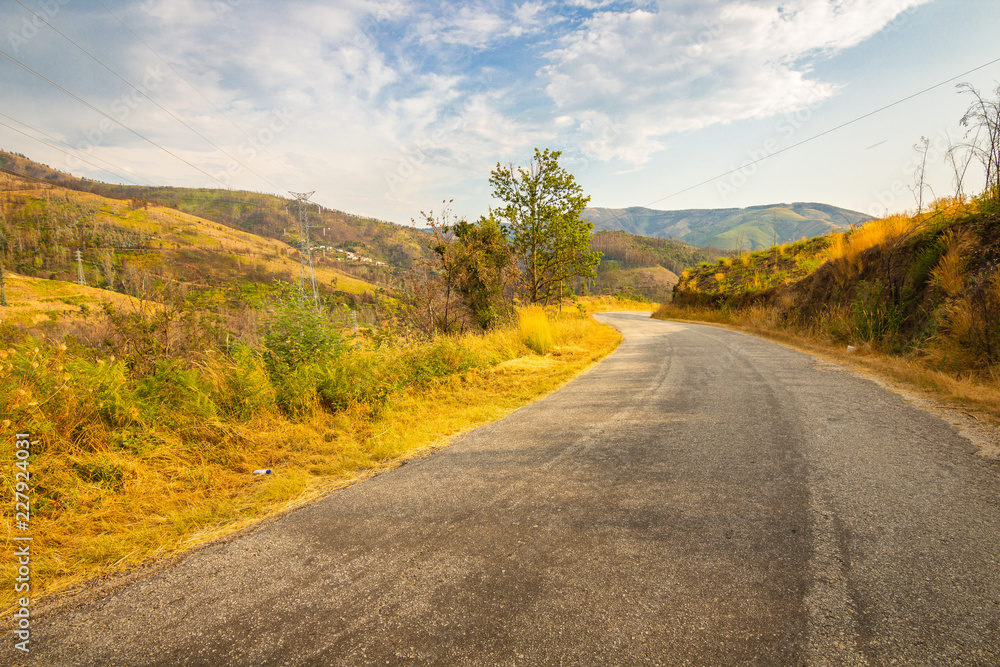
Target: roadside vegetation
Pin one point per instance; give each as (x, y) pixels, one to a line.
(152, 403)
(916, 297)
(144, 454)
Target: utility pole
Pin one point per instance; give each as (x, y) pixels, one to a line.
(305, 255)
(80, 278)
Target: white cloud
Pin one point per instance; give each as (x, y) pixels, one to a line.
(440, 93)
(478, 26)
(469, 26)
(662, 70)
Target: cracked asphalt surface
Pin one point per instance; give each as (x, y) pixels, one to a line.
(700, 497)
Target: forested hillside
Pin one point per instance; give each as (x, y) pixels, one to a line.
(640, 266)
(256, 213)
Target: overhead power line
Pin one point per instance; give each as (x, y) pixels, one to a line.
(821, 134)
(147, 96)
(9, 127)
(182, 78)
(45, 134)
(95, 109)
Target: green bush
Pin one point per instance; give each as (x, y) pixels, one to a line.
(296, 335)
(245, 389)
(173, 394)
(354, 379)
(295, 390)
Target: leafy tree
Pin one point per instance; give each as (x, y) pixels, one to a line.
(466, 274)
(486, 270)
(296, 335)
(549, 239)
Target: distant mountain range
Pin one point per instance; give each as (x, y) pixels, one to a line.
(729, 228)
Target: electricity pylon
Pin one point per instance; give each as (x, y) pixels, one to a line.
(80, 278)
(305, 254)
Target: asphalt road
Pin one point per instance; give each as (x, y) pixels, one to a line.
(700, 497)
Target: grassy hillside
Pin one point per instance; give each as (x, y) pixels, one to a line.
(257, 213)
(923, 288)
(730, 229)
(146, 250)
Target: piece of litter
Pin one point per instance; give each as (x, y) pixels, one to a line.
(851, 348)
(262, 471)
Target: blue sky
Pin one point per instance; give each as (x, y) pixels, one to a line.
(386, 107)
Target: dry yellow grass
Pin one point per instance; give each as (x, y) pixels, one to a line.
(535, 331)
(950, 272)
(174, 227)
(34, 300)
(849, 246)
(130, 495)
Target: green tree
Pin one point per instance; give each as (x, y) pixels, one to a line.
(549, 239)
(486, 270)
(466, 275)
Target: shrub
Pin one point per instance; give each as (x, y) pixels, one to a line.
(354, 380)
(243, 389)
(949, 274)
(970, 325)
(874, 318)
(172, 393)
(296, 335)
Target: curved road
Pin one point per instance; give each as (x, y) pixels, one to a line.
(700, 497)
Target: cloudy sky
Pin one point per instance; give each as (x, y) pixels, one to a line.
(387, 107)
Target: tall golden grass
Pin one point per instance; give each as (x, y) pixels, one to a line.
(850, 245)
(535, 330)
